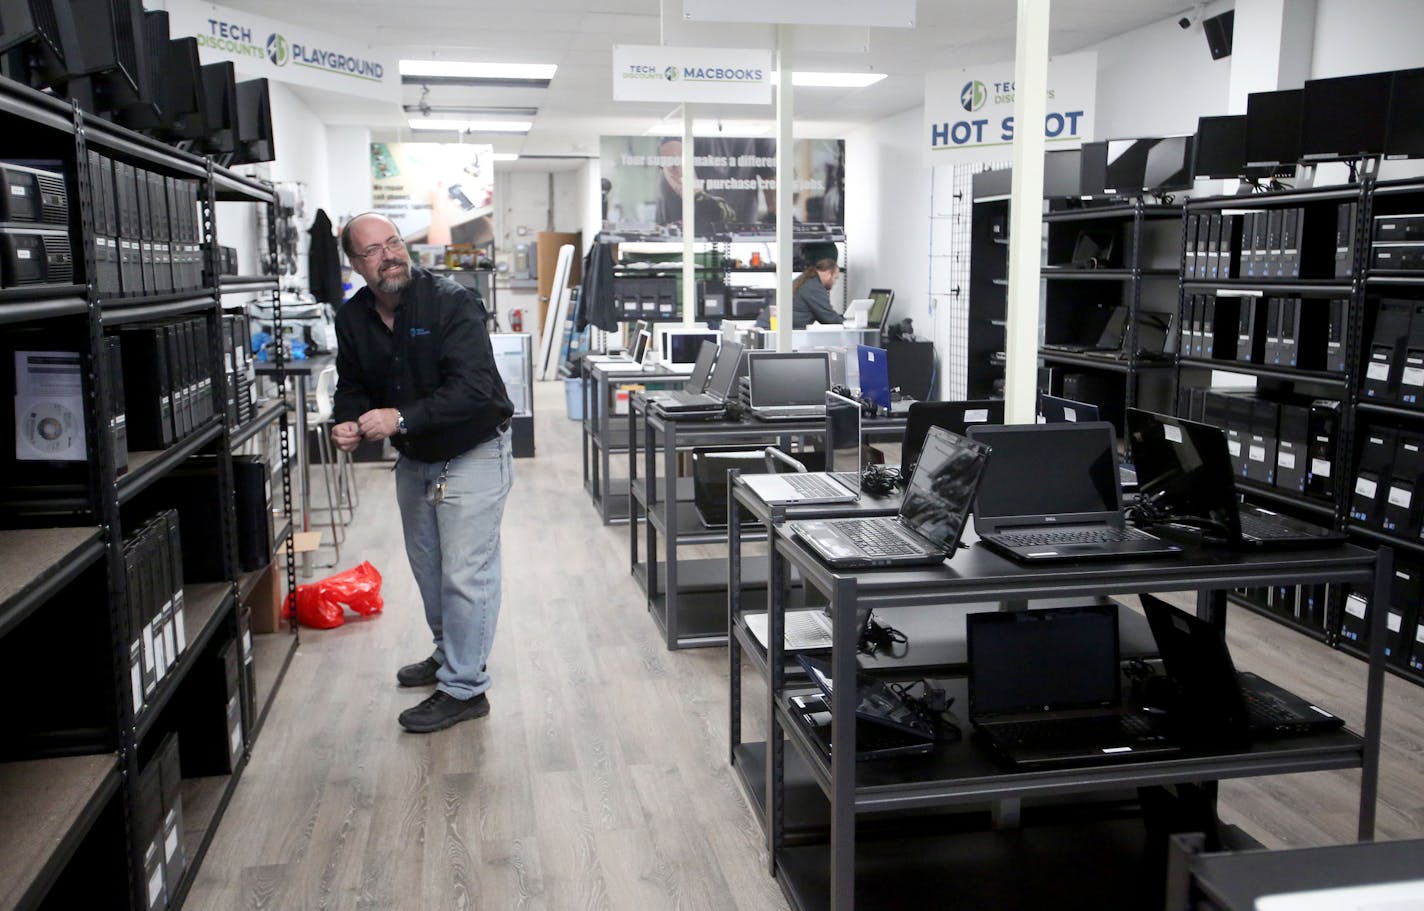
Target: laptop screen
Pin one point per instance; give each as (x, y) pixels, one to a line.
(843, 426)
(789, 378)
(941, 490)
(1183, 468)
(702, 367)
(955, 417)
(640, 346)
(1065, 411)
(874, 375)
(1067, 471)
(682, 346)
(724, 374)
(1042, 660)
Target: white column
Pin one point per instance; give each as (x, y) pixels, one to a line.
(1026, 211)
(1271, 49)
(689, 224)
(785, 171)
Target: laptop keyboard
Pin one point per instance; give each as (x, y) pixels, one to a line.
(791, 412)
(1089, 729)
(808, 486)
(875, 538)
(1104, 535)
(1264, 528)
(1265, 709)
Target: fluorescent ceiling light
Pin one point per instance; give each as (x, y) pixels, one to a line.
(471, 126)
(831, 80)
(456, 69)
(505, 156)
(470, 110)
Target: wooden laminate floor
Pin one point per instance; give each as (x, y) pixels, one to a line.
(600, 778)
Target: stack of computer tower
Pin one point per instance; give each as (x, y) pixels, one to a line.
(1402, 646)
(241, 375)
(167, 380)
(153, 575)
(212, 740)
(157, 822)
(1394, 365)
(34, 227)
(147, 232)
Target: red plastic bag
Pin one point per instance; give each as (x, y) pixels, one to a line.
(358, 588)
(318, 604)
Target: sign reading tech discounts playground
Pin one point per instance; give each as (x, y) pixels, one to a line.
(258, 46)
(696, 74)
(969, 113)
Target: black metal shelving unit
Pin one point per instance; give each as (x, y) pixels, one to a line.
(74, 786)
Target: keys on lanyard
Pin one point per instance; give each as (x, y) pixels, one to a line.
(440, 483)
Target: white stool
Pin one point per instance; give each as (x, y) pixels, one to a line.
(334, 467)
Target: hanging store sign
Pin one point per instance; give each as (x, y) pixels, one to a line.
(881, 14)
(969, 112)
(691, 74)
(258, 46)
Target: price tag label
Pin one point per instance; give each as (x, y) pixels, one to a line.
(1174, 435)
(1257, 453)
(1234, 446)
(1394, 621)
(1320, 467)
(976, 416)
(1400, 497)
(1366, 488)
(1355, 606)
(1285, 459)
(1377, 371)
(1413, 376)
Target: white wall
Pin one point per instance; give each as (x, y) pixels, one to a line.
(1364, 37)
(887, 202)
(348, 164)
(1158, 80)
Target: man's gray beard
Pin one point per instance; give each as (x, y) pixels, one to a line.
(393, 285)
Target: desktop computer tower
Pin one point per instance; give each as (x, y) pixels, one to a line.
(253, 495)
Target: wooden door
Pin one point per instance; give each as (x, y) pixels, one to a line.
(548, 246)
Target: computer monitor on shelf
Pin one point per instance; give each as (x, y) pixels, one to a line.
(220, 99)
(1404, 131)
(1273, 125)
(254, 123)
(141, 108)
(185, 103)
(1093, 168)
(1220, 152)
(1344, 118)
(1062, 173)
(681, 345)
(1126, 165)
(109, 53)
(1169, 165)
(34, 38)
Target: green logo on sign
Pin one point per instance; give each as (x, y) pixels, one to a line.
(670, 74)
(277, 50)
(973, 95)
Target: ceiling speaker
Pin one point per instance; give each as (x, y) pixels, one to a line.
(1218, 34)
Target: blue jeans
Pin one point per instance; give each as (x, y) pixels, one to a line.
(453, 548)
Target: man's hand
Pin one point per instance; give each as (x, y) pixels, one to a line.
(379, 423)
(346, 436)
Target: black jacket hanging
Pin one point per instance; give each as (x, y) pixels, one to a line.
(596, 305)
(324, 261)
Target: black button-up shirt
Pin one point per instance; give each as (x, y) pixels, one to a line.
(435, 365)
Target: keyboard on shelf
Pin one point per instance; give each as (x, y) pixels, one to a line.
(791, 414)
(1266, 709)
(1265, 528)
(1087, 729)
(808, 486)
(850, 479)
(876, 539)
(1104, 535)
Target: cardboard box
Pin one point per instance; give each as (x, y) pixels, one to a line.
(265, 600)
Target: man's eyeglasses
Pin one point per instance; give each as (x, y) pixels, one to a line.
(392, 245)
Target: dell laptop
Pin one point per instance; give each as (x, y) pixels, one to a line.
(839, 483)
(1051, 494)
(1213, 704)
(931, 519)
(1045, 689)
(1184, 475)
(711, 403)
(788, 385)
(1110, 339)
(885, 725)
(691, 396)
(956, 417)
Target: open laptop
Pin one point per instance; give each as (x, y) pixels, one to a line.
(711, 402)
(839, 483)
(1213, 703)
(1184, 474)
(931, 519)
(884, 724)
(956, 417)
(1052, 494)
(788, 385)
(1045, 689)
(1055, 410)
(1110, 339)
(691, 397)
(874, 366)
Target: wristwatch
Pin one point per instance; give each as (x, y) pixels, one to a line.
(400, 422)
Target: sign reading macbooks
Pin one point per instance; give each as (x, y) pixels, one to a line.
(700, 74)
